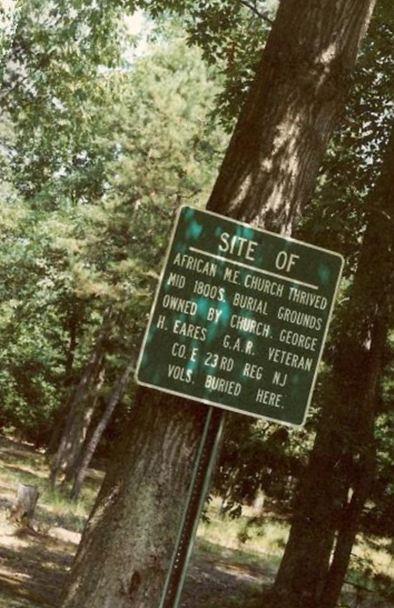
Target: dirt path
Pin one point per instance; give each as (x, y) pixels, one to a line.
(222, 582)
(33, 567)
(33, 570)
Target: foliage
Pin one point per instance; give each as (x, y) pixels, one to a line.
(338, 214)
(258, 457)
(85, 188)
(231, 35)
(96, 154)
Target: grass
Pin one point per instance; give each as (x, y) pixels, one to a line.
(257, 545)
(231, 560)
(33, 566)
(54, 508)
(248, 540)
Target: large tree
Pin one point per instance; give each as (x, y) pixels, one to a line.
(356, 192)
(338, 478)
(267, 177)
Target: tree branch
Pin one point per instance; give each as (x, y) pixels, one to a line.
(256, 11)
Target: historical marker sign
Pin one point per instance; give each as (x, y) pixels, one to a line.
(240, 318)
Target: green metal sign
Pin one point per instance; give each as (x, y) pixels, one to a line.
(239, 318)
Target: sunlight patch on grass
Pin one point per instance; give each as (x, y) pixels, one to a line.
(254, 538)
(53, 508)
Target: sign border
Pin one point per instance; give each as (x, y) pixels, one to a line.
(159, 284)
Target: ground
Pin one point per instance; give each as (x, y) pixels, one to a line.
(231, 561)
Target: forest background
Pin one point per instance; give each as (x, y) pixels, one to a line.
(104, 134)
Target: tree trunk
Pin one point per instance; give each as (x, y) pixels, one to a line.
(58, 428)
(73, 326)
(271, 164)
(22, 511)
(61, 414)
(342, 457)
(348, 531)
(79, 414)
(266, 177)
(128, 498)
(91, 445)
(78, 431)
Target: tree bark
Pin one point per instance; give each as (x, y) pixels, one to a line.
(271, 164)
(58, 428)
(79, 413)
(61, 414)
(73, 326)
(266, 178)
(348, 531)
(342, 457)
(158, 457)
(91, 445)
(80, 428)
(22, 511)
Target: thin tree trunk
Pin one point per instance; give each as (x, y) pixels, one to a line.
(61, 414)
(266, 177)
(91, 445)
(348, 532)
(345, 439)
(73, 324)
(364, 468)
(58, 428)
(81, 424)
(75, 412)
